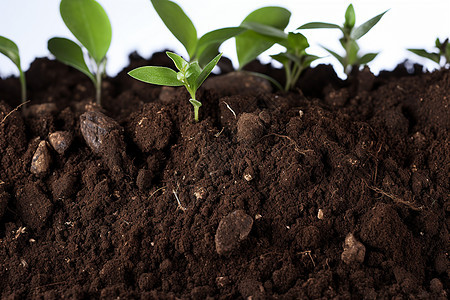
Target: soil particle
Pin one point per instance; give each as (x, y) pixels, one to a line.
(354, 251)
(249, 128)
(33, 206)
(238, 83)
(65, 186)
(41, 110)
(60, 141)
(3, 199)
(144, 179)
(40, 163)
(232, 230)
(250, 288)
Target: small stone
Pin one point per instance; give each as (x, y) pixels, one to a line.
(248, 177)
(40, 163)
(96, 129)
(222, 281)
(320, 214)
(354, 251)
(60, 141)
(249, 128)
(233, 229)
(200, 193)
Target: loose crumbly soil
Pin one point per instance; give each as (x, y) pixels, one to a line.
(255, 201)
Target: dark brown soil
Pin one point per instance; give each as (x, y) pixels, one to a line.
(339, 189)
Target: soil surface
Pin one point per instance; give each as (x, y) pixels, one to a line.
(337, 189)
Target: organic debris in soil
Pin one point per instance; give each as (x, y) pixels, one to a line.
(334, 189)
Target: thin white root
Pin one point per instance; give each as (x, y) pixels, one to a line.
(178, 200)
(232, 111)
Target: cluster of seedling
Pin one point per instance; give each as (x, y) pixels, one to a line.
(258, 32)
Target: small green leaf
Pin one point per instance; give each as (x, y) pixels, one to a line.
(156, 75)
(178, 23)
(216, 38)
(297, 41)
(309, 59)
(179, 62)
(366, 58)
(10, 49)
(337, 56)
(265, 30)
(319, 25)
(207, 70)
(69, 53)
(352, 53)
(89, 23)
(281, 58)
(192, 74)
(251, 44)
(361, 30)
(350, 17)
(430, 55)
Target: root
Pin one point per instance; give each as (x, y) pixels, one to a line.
(178, 201)
(15, 109)
(395, 198)
(296, 147)
(161, 188)
(232, 111)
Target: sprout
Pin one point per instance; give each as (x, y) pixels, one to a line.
(89, 23)
(202, 49)
(350, 35)
(190, 74)
(443, 53)
(10, 50)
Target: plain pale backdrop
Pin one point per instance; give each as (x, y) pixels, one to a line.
(136, 26)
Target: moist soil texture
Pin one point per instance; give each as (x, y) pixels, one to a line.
(337, 189)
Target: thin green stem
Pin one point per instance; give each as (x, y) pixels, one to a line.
(23, 86)
(197, 104)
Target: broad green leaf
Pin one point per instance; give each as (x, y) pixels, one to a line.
(361, 30)
(265, 30)
(208, 54)
(366, 58)
(69, 53)
(319, 25)
(89, 23)
(192, 74)
(251, 44)
(156, 75)
(216, 38)
(430, 55)
(281, 58)
(350, 17)
(179, 62)
(207, 70)
(337, 56)
(178, 23)
(10, 49)
(297, 41)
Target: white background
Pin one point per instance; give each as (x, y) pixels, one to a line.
(136, 26)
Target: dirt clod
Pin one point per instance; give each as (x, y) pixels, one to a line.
(3, 200)
(354, 251)
(33, 206)
(249, 128)
(40, 163)
(233, 229)
(60, 141)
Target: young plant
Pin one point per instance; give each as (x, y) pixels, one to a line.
(443, 53)
(349, 40)
(201, 49)
(189, 74)
(10, 50)
(294, 59)
(89, 23)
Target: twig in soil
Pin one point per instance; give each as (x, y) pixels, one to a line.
(308, 252)
(178, 200)
(395, 198)
(296, 148)
(232, 111)
(15, 109)
(161, 188)
(219, 133)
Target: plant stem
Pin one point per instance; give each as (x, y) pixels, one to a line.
(196, 105)
(23, 86)
(98, 86)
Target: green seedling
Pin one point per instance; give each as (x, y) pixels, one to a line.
(89, 23)
(349, 40)
(294, 59)
(202, 49)
(189, 74)
(250, 44)
(443, 53)
(10, 50)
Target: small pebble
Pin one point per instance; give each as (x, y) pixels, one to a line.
(354, 251)
(60, 141)
(40, 164)
(96, 127)
(233, 229)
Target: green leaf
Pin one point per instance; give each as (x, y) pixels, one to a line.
(192, 73)
(208, 53)
(352, 53)
(265, 30)
(337, 56)
(251, 44)
(156, 75)
(178, 23)
(297, 41)
(366, 58)
(281, 58)
(69, 53)
(179, 62)
(430, 55)
(10, 50)
(350, 17)
(89, 23)
(215, 38)
(319, 25)
(308, 59)
(361, 30)
(207, 70)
